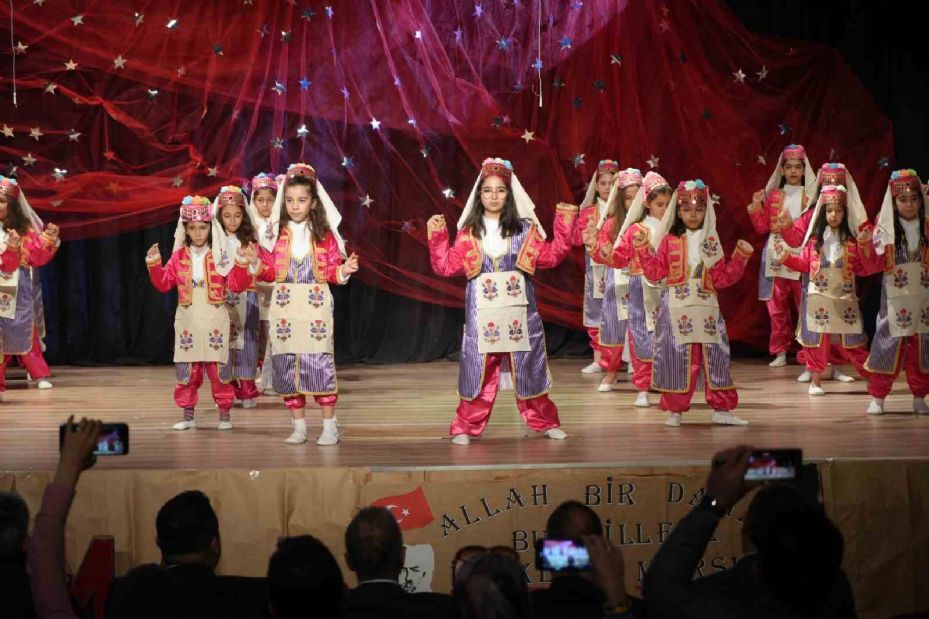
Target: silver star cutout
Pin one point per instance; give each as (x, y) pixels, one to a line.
(139, 18)
(367, 201)
(70, 65)
(302, 132)
(375, 124)
(449, 193)
(59, 174)
(653, 162)
(528, 135)
(29, 159)
(74, 135)
(579, 159)
(212, 171)
(277, 143)
(762, 160)
(35, 133)
(77, 20)
(177, 181)
(119, 62)
(20, 48)
(181, 71)
(50, 87)
(7, 131)
(739, 76)
(763, 73)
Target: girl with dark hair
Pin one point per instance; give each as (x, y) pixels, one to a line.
(26, 247)
(307, 257)
(499, 246)
(901, 338)
(266, 222)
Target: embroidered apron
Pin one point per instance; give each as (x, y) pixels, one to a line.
(773, 266)
(598, 272)
(907, 289)
(8, 286)
(621, 286)
(694, 314)
(301, 319)
(237, 306)
(502, 312)
(201, 330)
(831, 305)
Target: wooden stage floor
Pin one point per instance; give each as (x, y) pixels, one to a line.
(397, 416)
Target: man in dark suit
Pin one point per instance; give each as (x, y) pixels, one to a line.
(374, 551)
(188, 537)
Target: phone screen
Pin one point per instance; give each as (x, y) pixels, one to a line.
(562, 555)
(113, 439)
(774, 465)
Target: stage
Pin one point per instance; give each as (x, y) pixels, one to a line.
(873, 472)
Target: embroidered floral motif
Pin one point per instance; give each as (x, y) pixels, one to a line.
(491, 333)
(232, 299)
(5, 302)
(709, 325)
(601, 286)
(513, 286)
(900, 278)
(821, 316)
(924, 278)
(319, 330)
(516, 331)
(685, 325)
(490, 289)
(703, 294)
(233, 332)
(905, 319)
(924, 316)
(624, 300)
(850, 315)
(821, 282)
(710, 246)
(185, 340)
(316, 296)
(282, 296)
(682, 292)
(216, 339)
(283, 330)
(848, 286)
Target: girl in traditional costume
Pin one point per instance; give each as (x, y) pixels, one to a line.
(499, 246)
(266, 222)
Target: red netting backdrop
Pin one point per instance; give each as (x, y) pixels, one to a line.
(125, 107)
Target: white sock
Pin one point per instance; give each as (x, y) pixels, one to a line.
(300, 426)
(328, 423)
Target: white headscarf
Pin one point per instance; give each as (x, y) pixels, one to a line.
(884, 232)
(274, 219)
(524, 205)
(854, 207)
(650, 183)
(224, 252)
(809, 178)
(712, 251)
(333, 216)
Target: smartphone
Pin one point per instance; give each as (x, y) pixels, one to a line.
(561, 555)
(113, 439)
(774, 465)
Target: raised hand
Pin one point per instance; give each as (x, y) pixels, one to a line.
(350, 265)
(639, 237)
(51, 232)
(153, 253)
(784, 220)
(758, 198)
(745, 247)
(436, 223)
(13, 240)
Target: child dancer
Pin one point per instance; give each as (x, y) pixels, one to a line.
(829, 313)
(232, 229)
(266, 221)
(690, 334)
(790, 191)
(593, 209)
(901, 338)
(614, 247)
(26, 247)
(614, 310)
(499, 246)
(307, 257)
(201, 324)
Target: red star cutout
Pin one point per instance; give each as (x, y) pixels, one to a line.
(110, 155)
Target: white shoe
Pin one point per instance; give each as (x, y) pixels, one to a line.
(642, 400)
(841, 376)
(237, 402)
(920, 407)
(805, 377)
(779, 361)
(556, 434)
(224, 425)
(44, 384)
(296, 438)
(673, 420)
(876, 407)
(629, 369)
(331, 434)
(604, 388)
(185, 425)
(461, 439)
(814, 390)
(725, 418)
(593, 368)
(249, 403)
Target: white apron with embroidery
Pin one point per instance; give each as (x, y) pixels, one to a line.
(237, 306)
(8, 287)
(621, 287)
(502, 313)
(694, 314)
(301, 319)
(201, 330)
(907, 289)
(773, 266)
(598, 273)
(831, 304)
(264, 291)
(651, 299)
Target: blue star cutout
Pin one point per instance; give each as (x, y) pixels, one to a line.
(347, 162)
(344, 92)
(518, 86)
(558, 83)
(497, 121)
(329, 12)
(883, 162)
(579, 159)
(218, 49)
(305, 84)
(537, 65)
(783, 128)
(566, 42)
(576, 5)
(577, 102)
(706, 114)
(458, 34)
(600, 85)
(307, 14)
(504, 44)
(478, 10)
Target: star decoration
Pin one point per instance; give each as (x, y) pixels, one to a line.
(664, 25)
(832, 153)
(558, 83)
(172, 24)
(577, 102)
(35, 133)
(478, 10)
(405, 512)
(279, 88)
(375, 124)
(181, 71)
(418, 35)
(344, 92)
(739, 76)
(119, 62)
(217, 49)
(783, 128)
(762, 160)
(151, 94)
(366, 202)
(616, 59)
(212, 171)
(263, 30)
(600, 85)
(285, 36)
(576, 5)
(506, 119)
(537, 65)
(425, 151)
(50, 87)
(411, 122)
(653, 162)
(38, 2)
(883, 162)
(11, 170)
(77, 20)
(504, 44)
(177, 181)
(307, 14)
(518, 86)
(706, 114)
(7, 131)
(449, 193)
(302, 132)
(305, 83)
(528, 136)
(138, 18)
(20, 48)
(109, 155)
(763, 73)
(458, 34)
(397, 81)
(329, 12)
(70, 65)
(277, 143)
(565, 42)
(497, 122)
(579, 159)
(57, 203)
(59, 174)
(74, 135)
(347, 162)
(29, 159)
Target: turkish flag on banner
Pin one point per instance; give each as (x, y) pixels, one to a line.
(411, 509)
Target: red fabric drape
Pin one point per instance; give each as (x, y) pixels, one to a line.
(402, 100)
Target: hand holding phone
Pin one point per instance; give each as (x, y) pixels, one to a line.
(774, 464)
(562, 556)
(112, 438)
